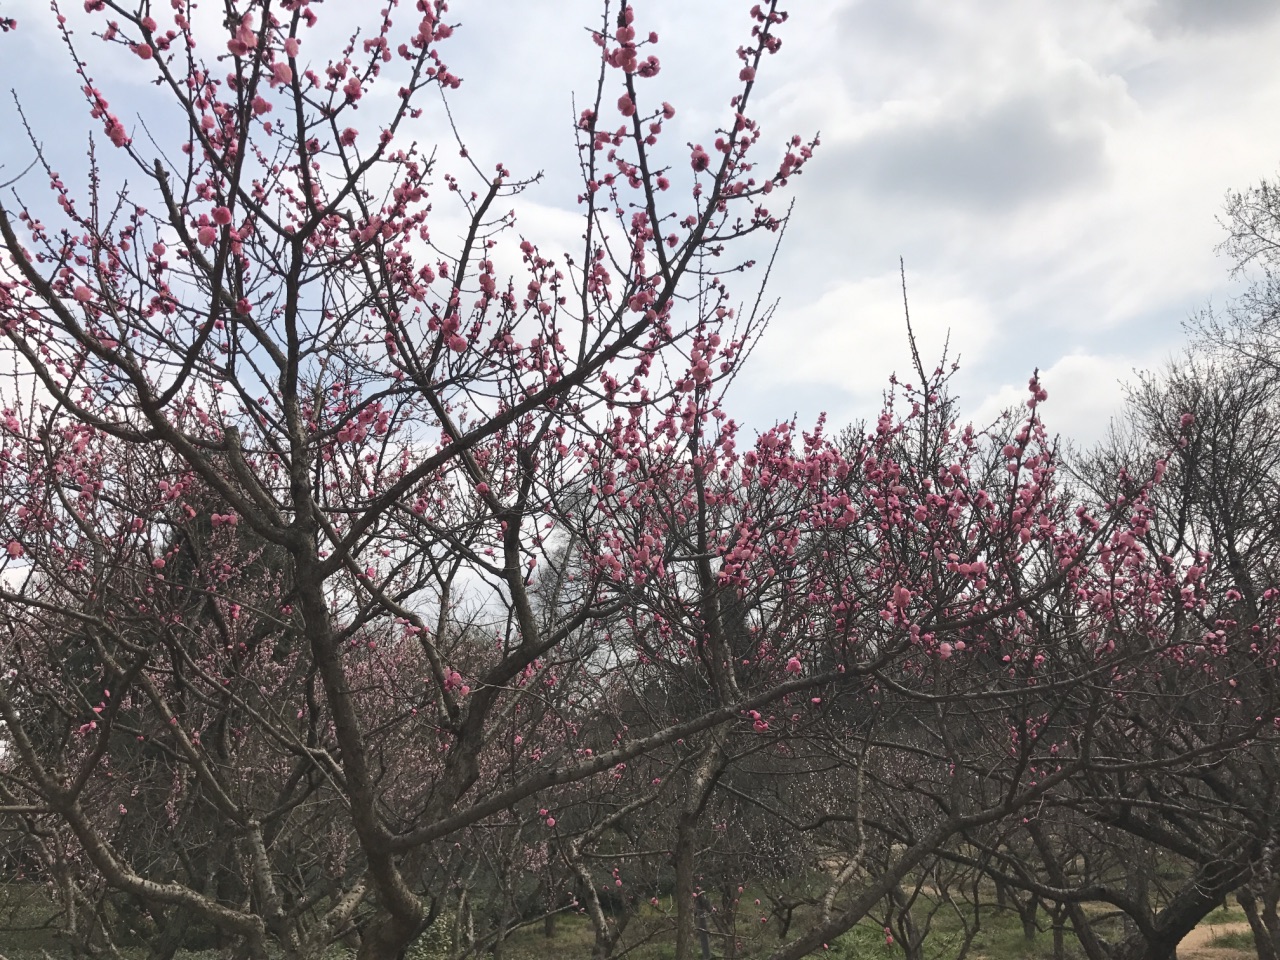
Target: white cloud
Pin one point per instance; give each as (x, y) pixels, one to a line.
(1085, 393)
(854, 336)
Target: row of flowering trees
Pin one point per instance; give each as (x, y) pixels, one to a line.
(354, 588)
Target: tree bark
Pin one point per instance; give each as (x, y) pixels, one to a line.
(1198, 897)
(1265, 941)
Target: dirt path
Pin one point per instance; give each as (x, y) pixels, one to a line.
(1197, 944)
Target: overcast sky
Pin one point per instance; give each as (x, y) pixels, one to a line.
(1050, 170)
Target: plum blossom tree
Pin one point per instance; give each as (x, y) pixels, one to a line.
(1214, 519)
(972, 613)
(262, 338)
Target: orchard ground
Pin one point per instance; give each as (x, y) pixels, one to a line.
(27, 918)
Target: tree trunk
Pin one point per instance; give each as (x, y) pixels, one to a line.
(172, 934)
(910, 938)
(686, 841)
(1139, 948)
(684, 885)
(704, 933)
(1198, 897)
(385, 939)
(1265, 942)
(1137, 887)
(1028, 917)
(1093, 946)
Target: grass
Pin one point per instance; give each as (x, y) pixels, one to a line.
(25, 913)
(1000, 938)
(1234, 940)
(1224, 914)
(27, 919)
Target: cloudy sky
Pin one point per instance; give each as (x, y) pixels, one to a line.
(1050, 171)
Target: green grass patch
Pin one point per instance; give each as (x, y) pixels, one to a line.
(26, 930)
(1233, 940)
(1224, 915)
